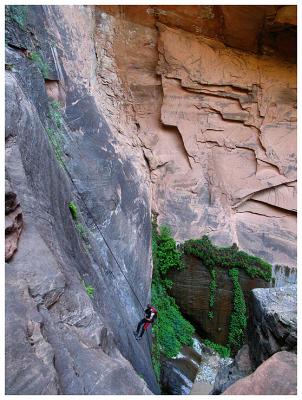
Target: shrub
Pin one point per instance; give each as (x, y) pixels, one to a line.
(221, 350)
(17, 14)
(82, 231)
(56, 141)
(171, 330)
(55, 134)
(55, 113)
(41, 64)
(231, 259)
(73, 210)
(167, 254)
(228, 257)
(89, 289)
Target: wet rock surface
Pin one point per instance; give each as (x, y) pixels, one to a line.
(178, 374)
(210, 365)
(272, 324)
(191, 290)
(276, 376)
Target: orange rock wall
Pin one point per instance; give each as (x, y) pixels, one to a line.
(213, 128)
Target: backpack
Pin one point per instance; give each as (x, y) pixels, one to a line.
(155, 314)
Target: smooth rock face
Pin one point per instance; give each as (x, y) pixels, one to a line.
(58, 339)
(191, 292)
(217, 126)
(272, 324)
(276, 376)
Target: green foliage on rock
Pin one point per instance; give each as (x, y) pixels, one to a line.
(171, 330)
(238, 319)
(73, 210)
(54, 133)
(41, 64)
(55, 113)
(221, 350)
(17, 14)
(213, 286)
(232, 260)
(56, 141)
(82, 231)
(167, 254)
(89, 289)
(228, 257)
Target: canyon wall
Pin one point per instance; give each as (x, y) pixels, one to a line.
(60, 337)
(217, 125)
(124, 110)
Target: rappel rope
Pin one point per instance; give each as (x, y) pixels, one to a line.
(105, 241)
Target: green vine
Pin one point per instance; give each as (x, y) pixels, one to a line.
(238, 319)
(213, 286)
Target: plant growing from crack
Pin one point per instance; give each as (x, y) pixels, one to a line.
(41, 64)
(73, 210)
(17, 13)
(89, 289)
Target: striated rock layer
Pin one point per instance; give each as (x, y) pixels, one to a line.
(217, 125)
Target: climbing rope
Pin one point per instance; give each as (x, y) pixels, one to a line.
(105, 241)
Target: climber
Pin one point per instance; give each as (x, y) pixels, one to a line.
(149, 318)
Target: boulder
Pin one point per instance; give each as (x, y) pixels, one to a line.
(228, 374)
(276, 376)
(272, 325)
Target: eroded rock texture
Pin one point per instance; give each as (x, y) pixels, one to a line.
(217, 125)
(273, 322)
(276, 376)
(13, 222)
(191, 290)
(58, 339)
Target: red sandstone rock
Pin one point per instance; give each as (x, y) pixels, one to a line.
(216, 126)
(191, 292)
(276, 376)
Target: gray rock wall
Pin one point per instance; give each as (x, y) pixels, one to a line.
(272, 324)
(58, 339)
